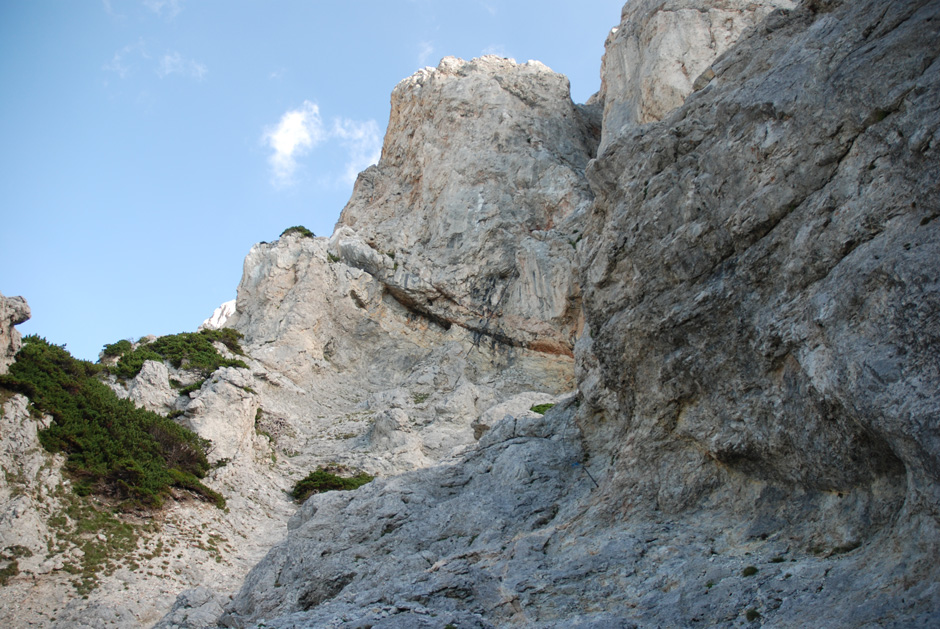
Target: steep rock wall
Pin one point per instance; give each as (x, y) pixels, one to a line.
(760, 281)
(337, 353)
(478, 196)
(654, 56)
(758, 383)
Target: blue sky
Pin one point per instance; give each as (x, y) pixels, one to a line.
(148, 144)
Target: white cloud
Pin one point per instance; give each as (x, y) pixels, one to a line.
(302, 129)
(174, 63)
(172, 7)
(424, 55)
(123, 62)
(126, 61)
(298, 131)
(363, 141)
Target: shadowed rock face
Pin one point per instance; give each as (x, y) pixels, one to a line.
(760, 279)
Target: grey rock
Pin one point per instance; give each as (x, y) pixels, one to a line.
(219, 317)
(758, 288)
(13, 311)
(225, 413)
(662, 50)
(198, 607)
(758, 376)
(418, 544)
(151, 389)
(745, 274)
(471, 216)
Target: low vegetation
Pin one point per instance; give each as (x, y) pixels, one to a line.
(10, 564)
(117, 349)
(541, 408)
(325, 479)
(105, 540)
(113, 448)
(298, 229)
(193, 351)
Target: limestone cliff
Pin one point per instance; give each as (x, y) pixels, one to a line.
(660, 48)
(757, 379)
(756, 268)
(721, 272)
(473, 212)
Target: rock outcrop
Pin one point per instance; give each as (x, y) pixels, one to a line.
(758, 281)
(758, 375)
(654, 57)
(718, 282)
(13, 311)
(471, 216)
(336, 351)
(220, 317)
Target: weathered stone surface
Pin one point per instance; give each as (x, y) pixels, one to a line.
(421, 543)
(759, 385)
(336, 356)
(760, 287)
(13, 311)
(653, 59)
(198, 607)
(754, 436)
(516, 406)
(151, 389)
(471, 215)
(225, 413)
(27, 488)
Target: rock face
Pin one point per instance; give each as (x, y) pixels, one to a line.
(13, 311)
(759, 280)
(653, 58)
(397, 551)
(337, 352)
(27, 489)
(758, 381)
(741, 284)
(480, 156)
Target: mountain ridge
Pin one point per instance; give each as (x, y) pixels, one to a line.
(717, 282)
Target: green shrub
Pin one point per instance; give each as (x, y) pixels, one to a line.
(113, 448)
(541, 408)
(193, 387)
(118, 349)
(189, 350)
(298, 229)
(750, 571)
(322, 480)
